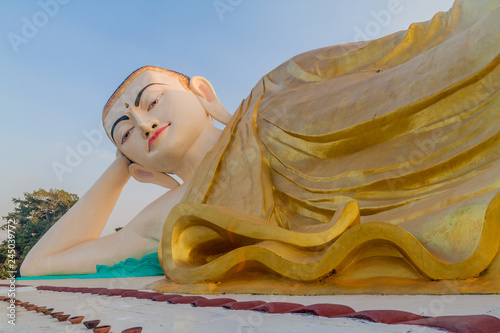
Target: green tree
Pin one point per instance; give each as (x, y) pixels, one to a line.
(32, 217)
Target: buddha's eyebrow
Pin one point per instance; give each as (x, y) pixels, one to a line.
(116, 123)
(138, 98)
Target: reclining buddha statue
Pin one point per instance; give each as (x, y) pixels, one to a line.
(369, 167)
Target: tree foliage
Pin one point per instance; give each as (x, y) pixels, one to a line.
(32, 217)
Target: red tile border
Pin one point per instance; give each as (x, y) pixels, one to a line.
(212, 302)
(185, 299)
(243, 305)
(325, 310)
(147, 295)
(164, 298)
(461, 324)
(454, 324)
(385, 316)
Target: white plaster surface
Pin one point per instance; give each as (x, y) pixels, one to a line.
(122, 313)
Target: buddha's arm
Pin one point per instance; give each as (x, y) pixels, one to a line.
(138, 238)
(84, 221)
(83, 258)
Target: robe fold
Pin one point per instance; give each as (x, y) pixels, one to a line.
(351, 158)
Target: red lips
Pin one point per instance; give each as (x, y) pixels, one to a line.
(155, 135)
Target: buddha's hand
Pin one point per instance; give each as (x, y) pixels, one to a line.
(122, 161)
(120, 156)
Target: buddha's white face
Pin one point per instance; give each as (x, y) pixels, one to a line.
(156, 121)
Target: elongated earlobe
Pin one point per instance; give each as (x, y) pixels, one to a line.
(145, 175)
(209, 100)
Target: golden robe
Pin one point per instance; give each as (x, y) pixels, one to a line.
(364, 167)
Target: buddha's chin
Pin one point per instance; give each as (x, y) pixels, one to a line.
(160, 160)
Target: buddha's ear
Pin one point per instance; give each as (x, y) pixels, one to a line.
(209, 100)
(145, 175)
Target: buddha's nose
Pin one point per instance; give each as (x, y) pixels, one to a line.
(148, 128)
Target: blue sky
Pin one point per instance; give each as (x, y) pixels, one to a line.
(61, 60)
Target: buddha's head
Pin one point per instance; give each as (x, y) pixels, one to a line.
(156, 115)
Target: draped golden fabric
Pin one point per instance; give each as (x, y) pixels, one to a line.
(363, 160)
